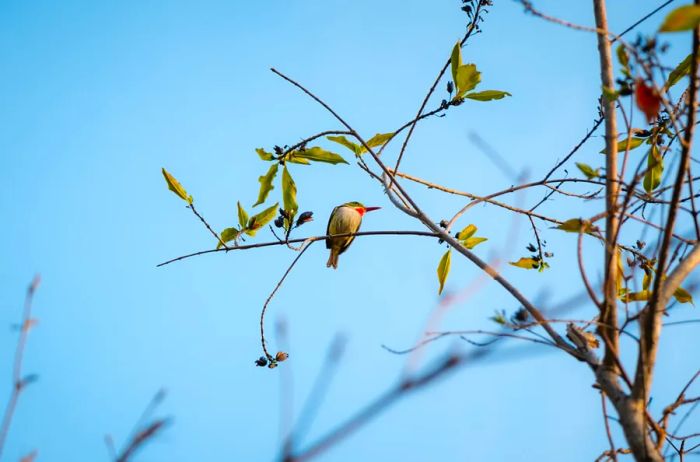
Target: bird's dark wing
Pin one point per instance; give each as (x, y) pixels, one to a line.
(328, 228)
(350, 239)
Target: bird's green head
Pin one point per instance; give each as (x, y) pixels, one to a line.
(361, 209)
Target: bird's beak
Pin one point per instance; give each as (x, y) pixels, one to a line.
(369, 209)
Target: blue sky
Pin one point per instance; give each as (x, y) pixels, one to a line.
(96, 97)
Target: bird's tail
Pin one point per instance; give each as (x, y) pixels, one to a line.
(333, 259)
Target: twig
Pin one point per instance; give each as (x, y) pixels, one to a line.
(299, 240)
(18, 382)
(272, 294)
(201, 218)
(473, 25)
(613, 451)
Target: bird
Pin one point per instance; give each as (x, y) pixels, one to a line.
(345, 218)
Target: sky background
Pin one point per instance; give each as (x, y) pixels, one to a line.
(96, 97)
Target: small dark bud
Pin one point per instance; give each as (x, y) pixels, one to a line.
(642, 134)
(443, 105)
(626, 90)
(272, 365)
(641, 244)
(549, 254)
(305, 218)
(279, 221)
(281, 356)
(261, 361)
(278, 150)
(531, 248)
(443, 224)
(521, 315)
(450, 87)
(284, 213)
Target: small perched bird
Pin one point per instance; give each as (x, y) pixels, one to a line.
(345, 218)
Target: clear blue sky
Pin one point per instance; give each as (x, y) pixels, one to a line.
(96, 97)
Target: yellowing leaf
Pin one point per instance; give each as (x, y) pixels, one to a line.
(356, 148)
(683, 296)
(473, 242)
(466, 233)
(622, 145)
(642, 296)
(289, 193)
(443, 269)
(685, 17)
(176, 187)
(588, 171)
(487, 95)
(456, 60)
(468, 77)
(655, 168)
(527, 263)
(320, 155)
(379, 139)
(576, 225)
(264, 155)
(295, 158)
(227, 235)
(261, 219)
(242, 216)
(620, 271)
(266, 184)
(646, 281)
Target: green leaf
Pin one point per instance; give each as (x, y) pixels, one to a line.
(456, 60)
(622, 145)
(499, 318)
(488, 95)
(623, 59)
(473, 242)
(318, 154)
(683, 296)
(264, 155)
(443, 269)
(655, 168)
(576, 225)
(685, 17)
(527, 263)
(227, 235)
(679, 72)
(466, 233)
(176, 187)
(289, 193)
(242, 216)
(467, 79)
(588, 171)
(261, 219)
(356, 148)
(266, 184)
(379, 139)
